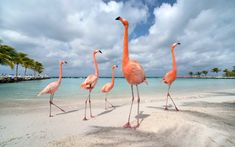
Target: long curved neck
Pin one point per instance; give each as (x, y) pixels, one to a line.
(60, 74)
(96, 66)
(125, 57)
(112, 77)
(173, 59)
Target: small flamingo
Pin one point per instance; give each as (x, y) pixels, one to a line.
(170, 77)
(132, 70)
(53, 87)
(108, 87)
(90, 83)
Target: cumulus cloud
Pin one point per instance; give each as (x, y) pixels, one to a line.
(204, 29)
(50, 31)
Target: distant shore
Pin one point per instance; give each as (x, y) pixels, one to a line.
(5, 79)
(181, 77)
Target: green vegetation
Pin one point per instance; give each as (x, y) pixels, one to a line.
(10, 57)
(227, 73)
(190, 73)
(205, 72)
(216, 70)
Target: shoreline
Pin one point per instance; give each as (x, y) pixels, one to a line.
(20, 79)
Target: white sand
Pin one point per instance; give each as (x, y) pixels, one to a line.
(207, 119)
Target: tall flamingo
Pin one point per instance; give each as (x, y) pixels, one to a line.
(53, 87)
(90, 83)
(170, 77)
(132, 70)
(108, 87)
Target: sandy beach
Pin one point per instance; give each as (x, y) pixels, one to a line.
(205, 119)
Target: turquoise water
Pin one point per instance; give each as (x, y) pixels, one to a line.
(70, 88)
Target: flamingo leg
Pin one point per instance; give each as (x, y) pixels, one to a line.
(138, 107)
(173, 103)
(127, 125)
(50, 106)
(51, 102)
(90, 103)
(167, 97)
(85, 110)
(105, 107)
(107, 102)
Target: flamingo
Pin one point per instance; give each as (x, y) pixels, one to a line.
(52, 88)
(90, 83)
(132, 70)
(170, 77)
(108, 87)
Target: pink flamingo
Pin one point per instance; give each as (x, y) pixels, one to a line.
(108, 87)
(132, 70)
(53, 87)
(170, 77)
(90, 83)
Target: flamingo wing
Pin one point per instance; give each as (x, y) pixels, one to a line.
(89, 82)
(134, 72)
(169, 77)
(50, 88)
(107, 87)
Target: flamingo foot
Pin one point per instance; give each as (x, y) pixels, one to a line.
(92, 116)
(176, 109)
(166, 108)
(50, 115)
(84, 118)
(136, 126)
(127, 125)
(63, 110)
(111, 106)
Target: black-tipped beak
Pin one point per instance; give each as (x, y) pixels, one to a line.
(118, 18)
(100, 51)
(116, 66)
(178, 43)
(65, 62)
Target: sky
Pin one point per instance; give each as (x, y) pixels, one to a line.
(49, 31)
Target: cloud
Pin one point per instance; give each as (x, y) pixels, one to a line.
(70, 30)
(203, 28)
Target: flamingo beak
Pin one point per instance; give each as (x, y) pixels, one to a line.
(100, 51)
(65, 62)
(116, 66)
(118, 18)
(178, 43)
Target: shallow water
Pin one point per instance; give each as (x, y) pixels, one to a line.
(70, 88)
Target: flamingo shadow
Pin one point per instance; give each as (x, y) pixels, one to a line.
(141, 116)
(162, 108)
(67, 112)
(105, 112)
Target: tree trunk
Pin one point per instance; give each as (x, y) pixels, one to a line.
(25, 71)
(17, 65)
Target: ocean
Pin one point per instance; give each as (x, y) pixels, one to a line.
(70, 88)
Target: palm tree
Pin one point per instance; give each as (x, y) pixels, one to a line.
(226, 72)
(6, 55)
(216, 70)
(37, 67)
(27, 63)
(190, 73)
(198, 73)
(205, 72)
(18, 59)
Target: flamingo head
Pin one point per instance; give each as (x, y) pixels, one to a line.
(124, 21)
(174, 45)
(97, 51)
(63, 62)
(114, 66)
